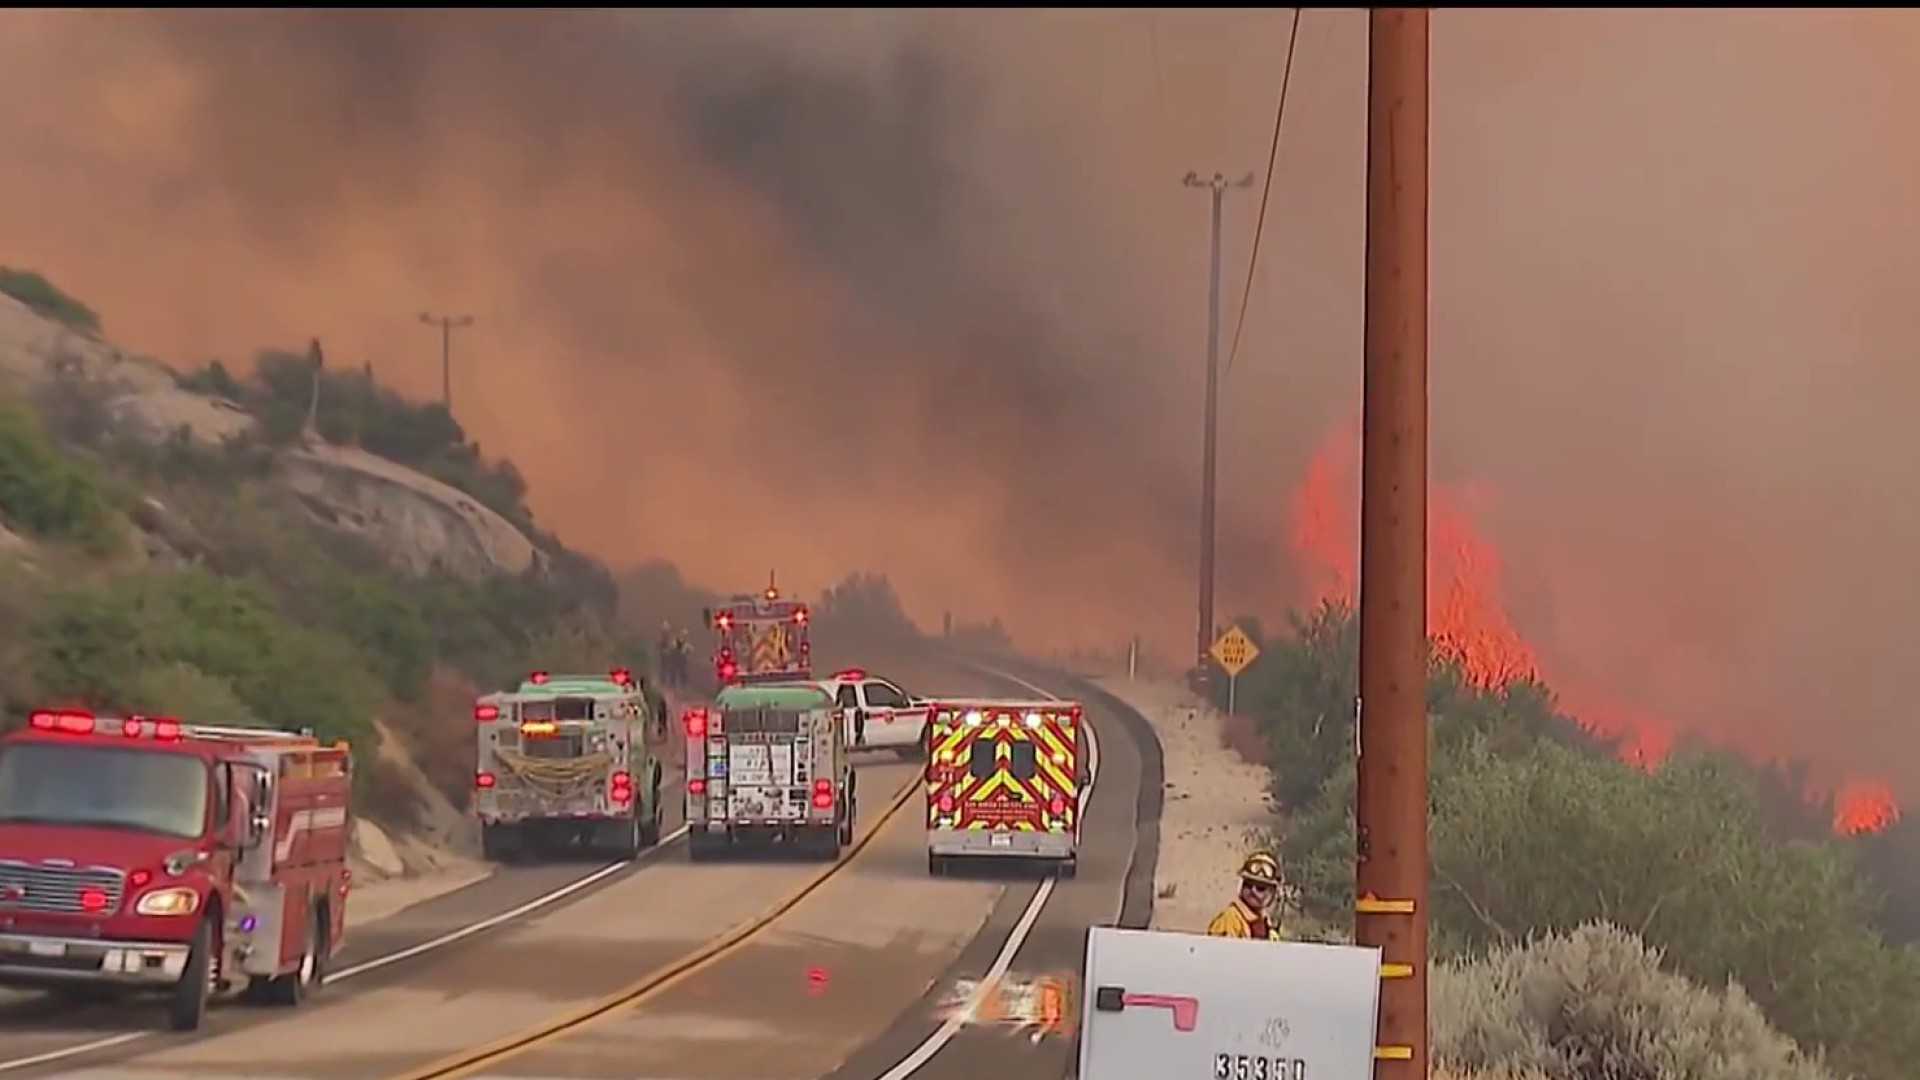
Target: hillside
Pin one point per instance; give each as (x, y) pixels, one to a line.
(240, 550)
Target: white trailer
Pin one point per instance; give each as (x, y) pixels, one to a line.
(1167, 1006)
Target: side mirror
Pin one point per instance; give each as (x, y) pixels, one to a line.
(262, 802)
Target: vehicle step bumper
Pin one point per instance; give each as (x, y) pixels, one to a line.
(1016, 844)
(33, 959)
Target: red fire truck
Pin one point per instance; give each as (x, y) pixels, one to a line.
(1004, 778)
(760, 639)
(144, 853)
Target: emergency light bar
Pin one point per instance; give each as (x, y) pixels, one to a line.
(81, 723)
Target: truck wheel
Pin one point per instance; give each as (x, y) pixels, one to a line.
(1069, 866)
(498, 843)
(304, 981)
(699, 848)
(649, 833)
(845, 834)
(188, 1005)
(628, 841)
(936, 865)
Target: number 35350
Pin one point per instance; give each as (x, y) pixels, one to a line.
(1255, 1067)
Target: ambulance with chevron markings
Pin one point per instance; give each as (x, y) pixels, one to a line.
(1004, 779)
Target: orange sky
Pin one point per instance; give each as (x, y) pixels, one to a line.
(927, 287)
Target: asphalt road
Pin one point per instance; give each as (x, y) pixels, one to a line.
(852, 978)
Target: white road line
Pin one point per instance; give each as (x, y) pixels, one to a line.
(375, 964)
(56, 1055)
(495, 920)
(1018, 937)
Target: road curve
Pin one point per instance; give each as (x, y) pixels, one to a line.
(871, 948)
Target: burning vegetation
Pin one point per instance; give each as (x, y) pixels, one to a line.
(1469, 622)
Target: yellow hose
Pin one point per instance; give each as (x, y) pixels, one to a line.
(556, 778)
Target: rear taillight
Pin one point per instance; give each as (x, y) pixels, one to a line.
(486, 714)
(822, 794)
(483, 780)
(696, 786)
(946, 803)
(1059, 805)
(622, 788)
(696, 724)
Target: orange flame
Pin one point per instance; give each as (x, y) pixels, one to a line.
(1864, 806)
(1470, 624)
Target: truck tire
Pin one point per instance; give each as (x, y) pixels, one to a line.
(1069, 867)
(844, 834)
(498, 843)
(826, 842)
(187, 1006)
(936, 865)
(701, 847)
(629, 841)
(304, 981)
(650, 829)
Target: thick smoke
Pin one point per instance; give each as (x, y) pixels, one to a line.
(922, 292)
(810, 293)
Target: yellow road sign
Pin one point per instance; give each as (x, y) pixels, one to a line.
(1235, 650)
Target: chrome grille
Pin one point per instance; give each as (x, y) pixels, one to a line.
(54, 888)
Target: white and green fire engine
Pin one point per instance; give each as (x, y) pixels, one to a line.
(768, 764)
(567, 760)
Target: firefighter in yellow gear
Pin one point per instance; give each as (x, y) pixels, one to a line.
(1247, 916)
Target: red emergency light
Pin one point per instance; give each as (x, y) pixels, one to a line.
(486, 714)
(724, 621)
(823, 794)
(696, 786)
(538, 678)
(621, 788)
(696, 721)
(79, 722)
(728, 670)
(800, 616)
(852, 673)
(622, 677)
(483, 780)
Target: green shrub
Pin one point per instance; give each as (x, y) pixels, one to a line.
(44, 298)
(1594, 1004)
(50, 494)
(182, 690)
(92, 642)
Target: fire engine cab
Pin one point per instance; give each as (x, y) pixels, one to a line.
(1004, 779)
(145, 853)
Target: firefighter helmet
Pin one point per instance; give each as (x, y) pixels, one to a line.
(1261, 868)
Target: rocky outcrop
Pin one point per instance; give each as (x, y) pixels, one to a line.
(421, 523)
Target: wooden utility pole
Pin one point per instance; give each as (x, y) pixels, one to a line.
(1391, 813)
(447, 325)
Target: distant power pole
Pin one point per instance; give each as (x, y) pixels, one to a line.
(1390, 909)
(446, 323)
(1218, 185)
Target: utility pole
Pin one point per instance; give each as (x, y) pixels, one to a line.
(1391, 869)
(1218, 185)
(446, 323)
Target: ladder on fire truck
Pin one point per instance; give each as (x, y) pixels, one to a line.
(271, 736)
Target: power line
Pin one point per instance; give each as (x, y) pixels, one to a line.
(1273, 155)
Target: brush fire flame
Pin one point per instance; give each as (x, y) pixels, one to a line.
(1468, 620)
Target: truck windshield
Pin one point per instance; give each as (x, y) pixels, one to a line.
(109, 788)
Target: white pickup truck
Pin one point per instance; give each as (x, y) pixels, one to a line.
(878, 714)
